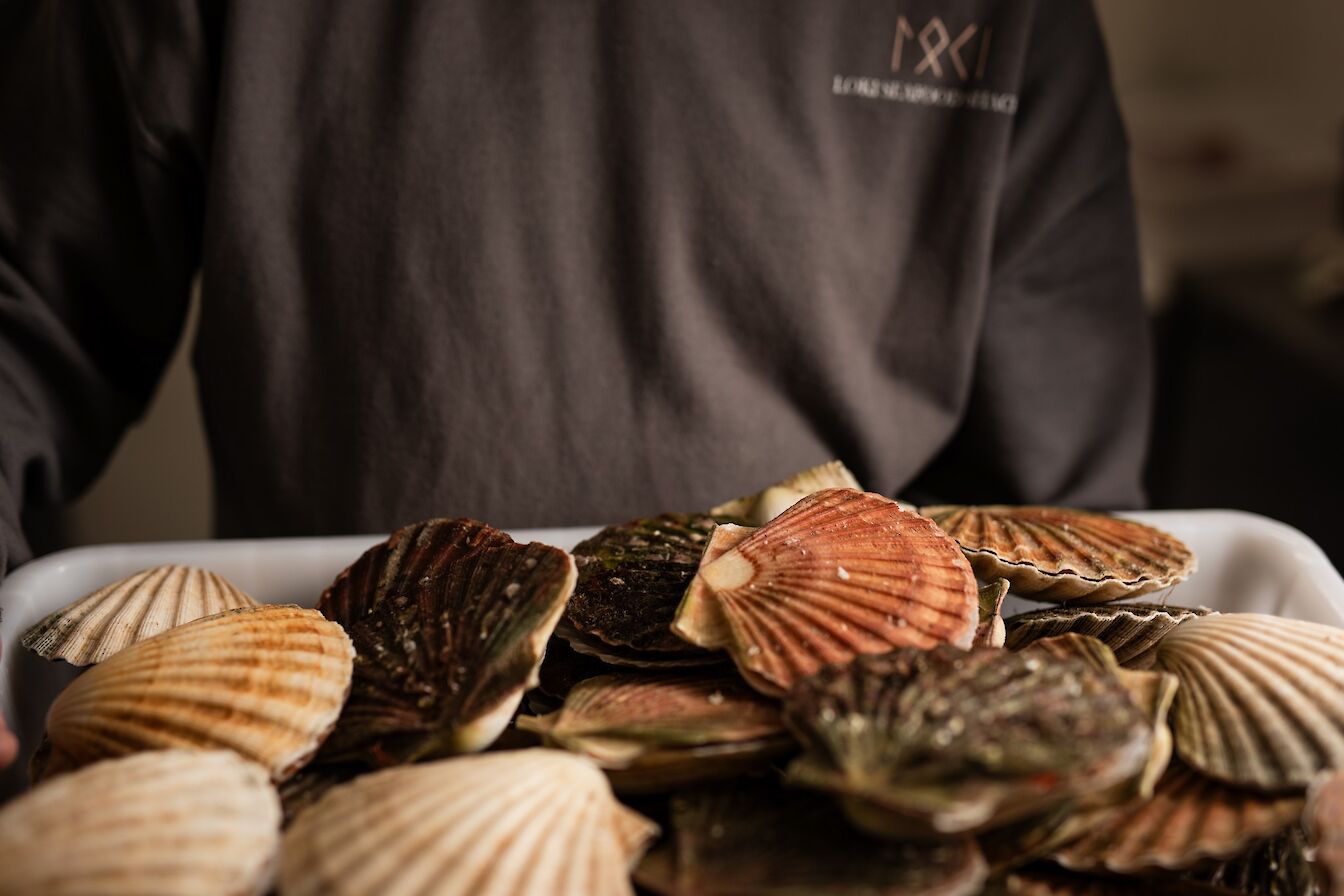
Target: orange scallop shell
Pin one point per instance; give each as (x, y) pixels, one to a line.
(839, 574)
(1058, 554)
(1190, 818)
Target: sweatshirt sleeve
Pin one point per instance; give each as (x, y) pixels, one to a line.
(100, 204)
(1060, 403)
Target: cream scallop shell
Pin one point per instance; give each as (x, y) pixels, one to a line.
(132, 609)
(1261, 701)
(1190, 818)
(839, 574)
(765, 505)
(267, 682)
(517, 823)
(1059, 554)
(162, 823)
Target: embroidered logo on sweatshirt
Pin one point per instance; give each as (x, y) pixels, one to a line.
(938, 64)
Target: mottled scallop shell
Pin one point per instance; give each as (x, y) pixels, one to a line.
(1261, 701)
(1131, 630)
(758, 837)
(991, 631)
(1324, 820)
(765, 505)
(135, 608)
(839, 574)
(1056, 554)
(267, 682)
(162, 823)
(683, 727)
(441, 668)
(1189, 819)
(631, 578)
(1151, 691)
(411, 556)
(517, 823)
(938, 742)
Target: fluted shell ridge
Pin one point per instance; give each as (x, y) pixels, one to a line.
(514, 823)
(840, 574)
(412, 556)
(770, 502)
(1261, 698)
(1131, 630)
(160, 823)
(267, 682)
(1190, 818)
(130, 610)
(1061, 554)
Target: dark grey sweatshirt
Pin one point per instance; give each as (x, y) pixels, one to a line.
(568, 261)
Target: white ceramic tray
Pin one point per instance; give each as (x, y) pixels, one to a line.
(1246, 563)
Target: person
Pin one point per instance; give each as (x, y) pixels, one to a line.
(568, 263)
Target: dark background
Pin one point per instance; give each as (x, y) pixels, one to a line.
(1236, 116)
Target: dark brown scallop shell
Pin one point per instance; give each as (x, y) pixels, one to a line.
(1324, 820)
(441, 669)
(631, 578)
(413, 556)
(1131, 630)
(939, 742)
(1059, 554)
(757, 837)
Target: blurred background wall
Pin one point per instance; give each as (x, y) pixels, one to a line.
(1236, 114)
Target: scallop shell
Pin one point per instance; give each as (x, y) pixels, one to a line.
(1189, 819)
(411, 556)
(1151, 691)
(1261, 702)
(840, 574)
(991, 631)
(169, 822)
(515, 823)
(757, 837)
(939, 742)
(441, 669)
(1279, 865)
(1042, 880)
(1131, 630)
(1057, 554)
(135, 608)
(631, 578)
(765, 505)
(267, 682)
(666, 730)
(1324, 819)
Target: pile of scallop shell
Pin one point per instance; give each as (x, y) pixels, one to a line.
(808, 690)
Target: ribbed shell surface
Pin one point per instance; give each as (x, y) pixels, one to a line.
(441, 669)
(163, 823)
(1131, 630)
(1058, 554)
(411, 556)
(1261, 700)
(840, 574)
(130, 610)
(615, 718)
(523, 823)
(267, 682)
(1190, 818)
